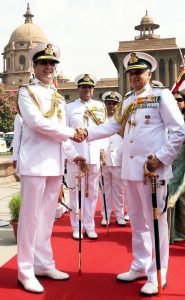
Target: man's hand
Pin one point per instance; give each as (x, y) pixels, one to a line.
(153, 163)
(102, 156)
(81, 162)
(80, 135)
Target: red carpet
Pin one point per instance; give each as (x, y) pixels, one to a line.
(101, 261)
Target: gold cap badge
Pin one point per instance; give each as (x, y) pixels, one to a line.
(112, 95)
(133, 59)
(86, 77)
(49, 50)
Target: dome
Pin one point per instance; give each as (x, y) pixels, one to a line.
(62, 76)
(147, 19)
(28, 32)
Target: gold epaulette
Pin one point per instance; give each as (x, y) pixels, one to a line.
(62, 99)
(26, 84)
(160, 87)
(155, 85)
(128, 94)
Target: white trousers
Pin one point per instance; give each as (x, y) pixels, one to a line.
(140, 211)
(114, 191)
(88, 204)
(39, 197)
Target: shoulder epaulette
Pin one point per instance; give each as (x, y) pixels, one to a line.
(160, 87)
(128, 94)
(158, 84)
(26, 84)
(23, 85)
(70, 101)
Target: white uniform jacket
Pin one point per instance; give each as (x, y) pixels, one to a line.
(17, 136)
(147, 137)
(42, 137)
(114, 151)
(75, 118)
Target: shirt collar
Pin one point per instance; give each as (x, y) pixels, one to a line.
(87, 101)
(47, 86)
(144, 89)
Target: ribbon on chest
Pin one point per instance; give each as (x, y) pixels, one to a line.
(150, 101)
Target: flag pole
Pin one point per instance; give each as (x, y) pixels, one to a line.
(175, 86)
(183, 61)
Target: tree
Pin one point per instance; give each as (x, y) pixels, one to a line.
(7, 109)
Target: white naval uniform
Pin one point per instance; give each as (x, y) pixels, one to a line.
(40, 165)
(113, 183)
(139, 141)
(17, 136)
(91, 152)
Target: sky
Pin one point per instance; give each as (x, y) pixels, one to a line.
(87, 30)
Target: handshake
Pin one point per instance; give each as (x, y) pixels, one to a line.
(80, 135)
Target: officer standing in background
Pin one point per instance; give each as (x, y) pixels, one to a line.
(40, 165)
(143, 119)
(85, 112)
(111, 165)
(17, 139)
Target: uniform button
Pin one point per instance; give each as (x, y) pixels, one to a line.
(131, 156)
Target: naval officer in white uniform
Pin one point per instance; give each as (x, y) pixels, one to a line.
(143, 119)
(111, 167)
(40, 165)
(17, 138)
(85, 112)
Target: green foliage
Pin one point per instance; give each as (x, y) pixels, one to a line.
(14, 206)
(7, 109)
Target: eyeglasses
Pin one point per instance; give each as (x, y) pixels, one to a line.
(179, 99)
(90, 87)
(44, 62)
(136, 72)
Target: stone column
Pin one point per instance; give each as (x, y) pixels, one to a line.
(174, 75)
(157, 72)
(13, 61)
(4, 64)
(166, 68)
(121, 78)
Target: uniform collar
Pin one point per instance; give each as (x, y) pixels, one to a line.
(47, 86)
(88, 101)
(144, 89)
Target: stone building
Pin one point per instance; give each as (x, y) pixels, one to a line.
(165, 51)
(16, 65)
(69, 90)
(17, 68)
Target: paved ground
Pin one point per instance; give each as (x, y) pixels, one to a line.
(8, 247)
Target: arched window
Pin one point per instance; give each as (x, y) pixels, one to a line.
(22, 62)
